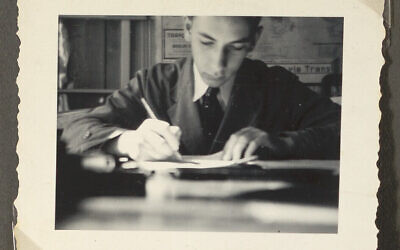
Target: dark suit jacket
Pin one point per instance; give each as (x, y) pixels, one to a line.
(271, 99)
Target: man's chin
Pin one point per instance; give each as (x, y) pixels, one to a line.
(214, 83)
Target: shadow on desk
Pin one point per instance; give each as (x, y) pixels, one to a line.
(241, 199)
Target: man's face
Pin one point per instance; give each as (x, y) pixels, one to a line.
(219, 45)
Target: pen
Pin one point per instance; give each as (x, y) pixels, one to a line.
(148, 109)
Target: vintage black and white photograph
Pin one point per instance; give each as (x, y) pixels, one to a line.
(199, 123)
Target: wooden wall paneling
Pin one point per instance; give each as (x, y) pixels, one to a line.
(94, 55)
(139, 45)
(86, 68)
(156, 33)
(125, 55)
(113, 54)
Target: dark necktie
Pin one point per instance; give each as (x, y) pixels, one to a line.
(211, 116)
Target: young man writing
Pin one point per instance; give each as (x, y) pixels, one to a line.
(215, 101)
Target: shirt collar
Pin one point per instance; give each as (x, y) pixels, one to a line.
(200, 88)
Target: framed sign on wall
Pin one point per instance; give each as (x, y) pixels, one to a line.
(174, 44)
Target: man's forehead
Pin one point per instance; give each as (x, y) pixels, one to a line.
(226, 25)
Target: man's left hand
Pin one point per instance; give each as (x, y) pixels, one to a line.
(246, 141)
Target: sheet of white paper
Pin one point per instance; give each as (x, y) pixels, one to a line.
(211, 161)
(189, 161)
(167, 165)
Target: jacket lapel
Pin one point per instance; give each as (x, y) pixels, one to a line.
(184, 113)
(242, 110)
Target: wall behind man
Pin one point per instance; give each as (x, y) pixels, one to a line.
(311, 47)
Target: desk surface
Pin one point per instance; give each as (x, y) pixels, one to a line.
(230, 205)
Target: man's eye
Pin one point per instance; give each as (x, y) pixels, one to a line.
(237, 47)
(206, 43)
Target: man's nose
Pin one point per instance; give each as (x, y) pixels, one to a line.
(220, 60)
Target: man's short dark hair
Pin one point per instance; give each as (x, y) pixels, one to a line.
(253, 20)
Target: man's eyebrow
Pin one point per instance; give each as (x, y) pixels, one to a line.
(206, 36)
(241, 40)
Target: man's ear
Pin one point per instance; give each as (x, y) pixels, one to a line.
(187, 22)
(257, 36)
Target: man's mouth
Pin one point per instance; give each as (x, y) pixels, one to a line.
(212, 78)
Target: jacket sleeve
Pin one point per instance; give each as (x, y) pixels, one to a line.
(317, 123)
(313, 126)
(121, 111)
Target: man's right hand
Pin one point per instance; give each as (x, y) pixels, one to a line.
(153, 140)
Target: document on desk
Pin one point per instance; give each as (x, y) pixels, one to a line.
(188, 162)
